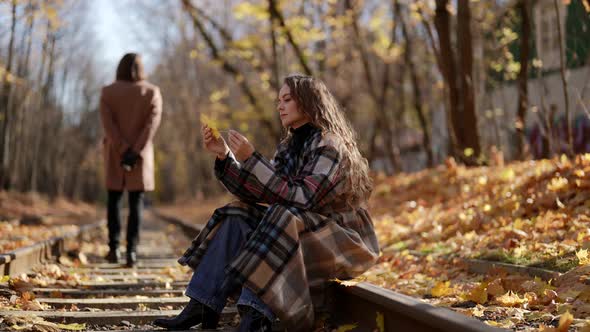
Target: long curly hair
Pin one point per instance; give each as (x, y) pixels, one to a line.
(314, 99)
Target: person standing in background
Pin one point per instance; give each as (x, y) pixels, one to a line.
(130, 111)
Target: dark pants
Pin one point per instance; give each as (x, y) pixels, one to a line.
(133, 222)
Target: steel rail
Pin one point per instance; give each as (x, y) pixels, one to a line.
(24, 259)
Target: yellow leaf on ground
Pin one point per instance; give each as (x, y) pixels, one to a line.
(583, 258)
(557, 184)
(511, 299)
(478, 311)
(380, 322)
(565, 321)
(478, 294)
(346, 283)
(441, 288)
(495, 288)
(347, 327)
(73, 326)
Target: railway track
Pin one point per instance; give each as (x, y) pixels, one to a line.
(109, 297)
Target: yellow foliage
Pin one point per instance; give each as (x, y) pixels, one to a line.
(247, 9)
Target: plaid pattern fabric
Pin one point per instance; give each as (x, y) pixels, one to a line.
(306, 236)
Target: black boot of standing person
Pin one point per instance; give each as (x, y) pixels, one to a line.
(193, 314)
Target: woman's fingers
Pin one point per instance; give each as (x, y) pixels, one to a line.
(238, 136)
(233, 144)
(235, 140)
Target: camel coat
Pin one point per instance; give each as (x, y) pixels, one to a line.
(130, 113)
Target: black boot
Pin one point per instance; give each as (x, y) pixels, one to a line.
(131, 258)
(193, 314)
(114, 256)
(252, 320)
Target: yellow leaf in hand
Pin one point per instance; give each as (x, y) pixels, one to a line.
(211, 123)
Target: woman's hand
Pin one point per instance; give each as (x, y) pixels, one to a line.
(212, 144)
(240, 145)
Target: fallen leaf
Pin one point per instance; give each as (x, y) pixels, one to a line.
(347, 327)
(380, 322)
(441, 288)
(510, 299)
(73, 326)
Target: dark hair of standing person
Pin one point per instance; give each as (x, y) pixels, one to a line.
(130, 68)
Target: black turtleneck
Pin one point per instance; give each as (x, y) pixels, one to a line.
(299, 136)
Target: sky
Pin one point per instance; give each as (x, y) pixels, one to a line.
(109, 26)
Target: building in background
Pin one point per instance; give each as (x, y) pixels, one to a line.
(545, 88)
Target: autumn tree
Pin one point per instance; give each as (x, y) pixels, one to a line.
(458, 74)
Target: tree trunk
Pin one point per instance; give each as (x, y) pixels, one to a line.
(276, 14)
(467, 112)
(524, 7)
(408, 54)
(230, 68)
(275, 79)
(37, 134)
(447, 60)
(568, 116)
(452, 140)
(4, 103)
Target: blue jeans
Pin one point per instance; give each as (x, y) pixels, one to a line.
(205, 284)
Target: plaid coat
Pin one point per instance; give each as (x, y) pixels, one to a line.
(306, 235)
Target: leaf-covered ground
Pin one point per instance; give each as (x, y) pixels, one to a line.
(433, 224)
(535, 213)
(26, 218)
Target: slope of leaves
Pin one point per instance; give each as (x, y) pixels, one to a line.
(27, 218)
(533, 213)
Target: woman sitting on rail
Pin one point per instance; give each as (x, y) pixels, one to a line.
(314, 226)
